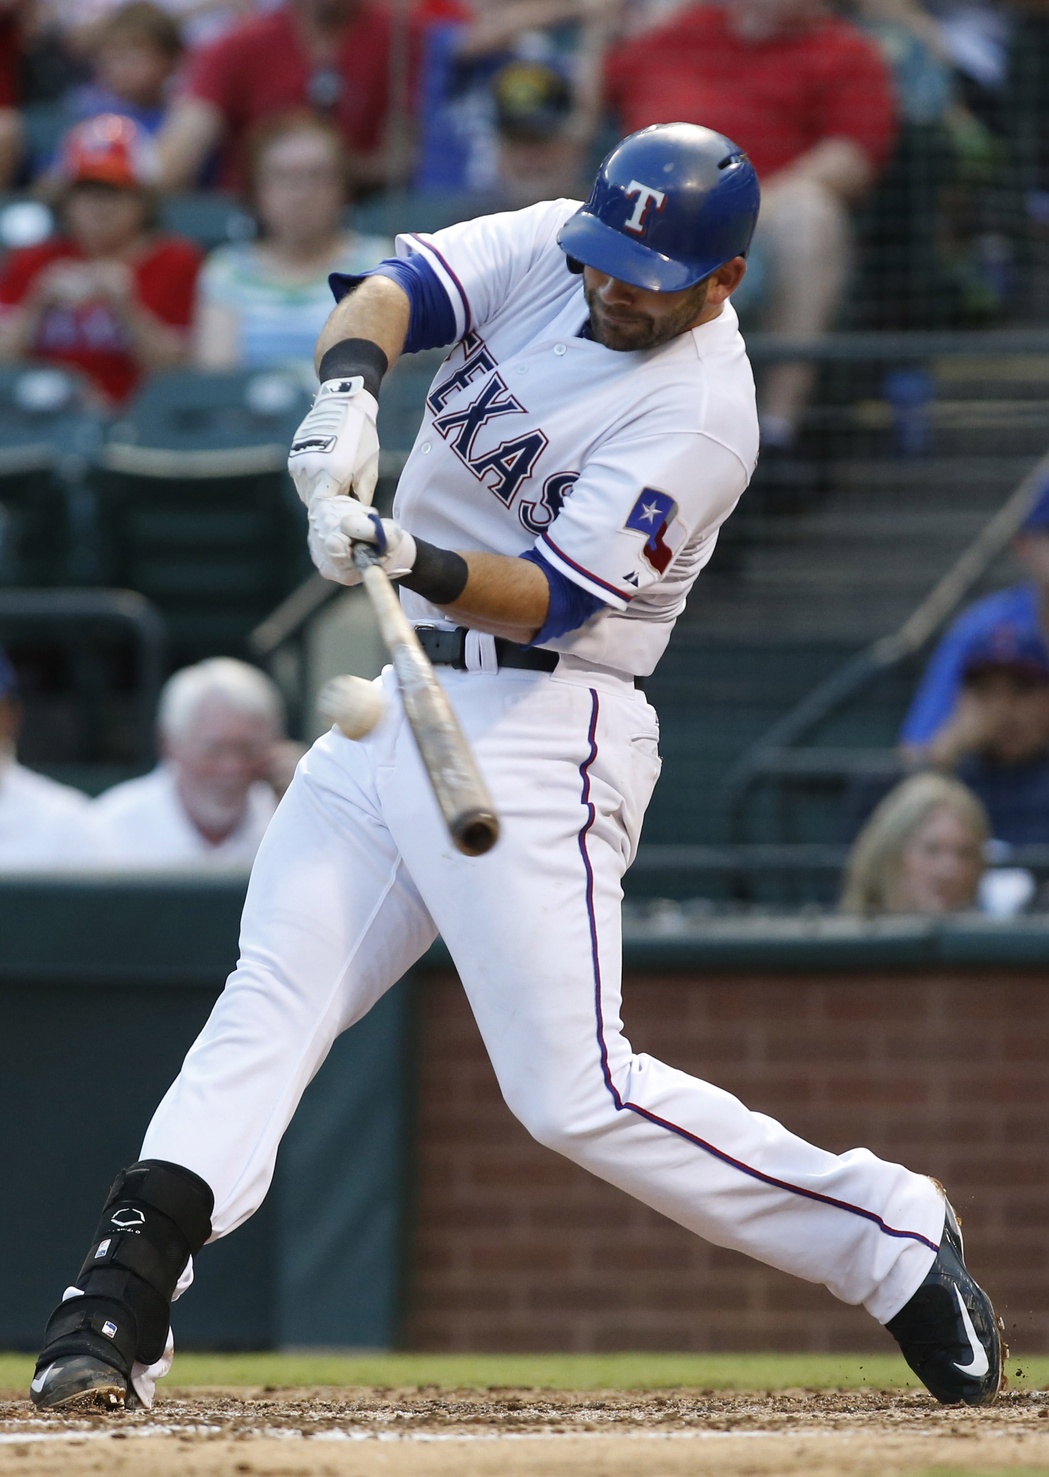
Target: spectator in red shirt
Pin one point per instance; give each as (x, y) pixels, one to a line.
(810, 99)
(108, 295)
(330, 55)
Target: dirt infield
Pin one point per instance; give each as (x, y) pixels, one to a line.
(516, 1433)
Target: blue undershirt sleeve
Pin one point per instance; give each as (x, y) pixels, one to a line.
(570, 605)
(432, 321)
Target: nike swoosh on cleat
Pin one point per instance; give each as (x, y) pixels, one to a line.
(41, 1380)
(979, 1364)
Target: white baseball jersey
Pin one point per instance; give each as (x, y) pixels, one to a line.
(619, 467)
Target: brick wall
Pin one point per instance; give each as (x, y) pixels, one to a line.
(516, 1249)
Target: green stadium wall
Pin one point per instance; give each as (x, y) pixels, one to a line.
(410, 1208)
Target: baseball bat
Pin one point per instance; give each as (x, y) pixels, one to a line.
(461, 792)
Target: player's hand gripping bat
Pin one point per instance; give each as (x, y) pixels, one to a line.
(461, 792)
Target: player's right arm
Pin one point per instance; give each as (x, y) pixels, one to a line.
(435, 290)
(378, 310)
(335, 452)
(417, 301)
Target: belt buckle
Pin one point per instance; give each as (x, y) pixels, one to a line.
(448, 647)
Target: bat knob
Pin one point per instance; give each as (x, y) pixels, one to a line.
(475, 832)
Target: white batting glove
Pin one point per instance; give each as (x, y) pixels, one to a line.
(336, 523)
(336, 449)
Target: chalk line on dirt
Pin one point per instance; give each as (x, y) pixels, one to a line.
(272, 1433)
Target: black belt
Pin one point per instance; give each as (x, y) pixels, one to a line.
(448, 649)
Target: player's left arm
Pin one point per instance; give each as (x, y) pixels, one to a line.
(502, 595)
(643, 503)
(635, 506)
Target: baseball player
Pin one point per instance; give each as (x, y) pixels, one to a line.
(590, 429)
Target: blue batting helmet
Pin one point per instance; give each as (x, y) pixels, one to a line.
(670, 205)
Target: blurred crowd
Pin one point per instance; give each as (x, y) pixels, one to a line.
(938, 109)
(976, 736)
(909, 133)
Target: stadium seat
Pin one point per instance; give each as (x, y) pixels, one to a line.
(198, 511)
(24, 221)
(44, 124)
(48, 434)
(90, 663)
(209, 218)
(389, 214)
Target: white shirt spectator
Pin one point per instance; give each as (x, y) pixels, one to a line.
(220, 728)
(143, 824)
(42, 823)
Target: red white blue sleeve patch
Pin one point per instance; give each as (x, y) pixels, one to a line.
(654, 515)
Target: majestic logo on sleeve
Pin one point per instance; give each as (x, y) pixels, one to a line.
(647, 197)
(654, 515)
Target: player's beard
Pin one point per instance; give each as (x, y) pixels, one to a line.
(631, 329)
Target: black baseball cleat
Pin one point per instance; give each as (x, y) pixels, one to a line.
(948, 1332)
(79, 1381)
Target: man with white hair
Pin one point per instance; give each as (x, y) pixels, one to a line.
(207, 803)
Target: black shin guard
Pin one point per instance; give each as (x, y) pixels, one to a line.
(157, 1216)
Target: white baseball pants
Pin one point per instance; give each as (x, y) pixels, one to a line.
(355, 878)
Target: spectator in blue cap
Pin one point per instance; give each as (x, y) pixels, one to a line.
(41, 822)
(1023, 608)
(996, 740)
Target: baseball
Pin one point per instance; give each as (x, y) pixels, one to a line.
(353, 705)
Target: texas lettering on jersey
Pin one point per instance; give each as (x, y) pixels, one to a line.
(504, 468)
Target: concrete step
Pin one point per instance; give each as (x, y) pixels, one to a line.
(868, 521)
(783, 614)
(926, 479)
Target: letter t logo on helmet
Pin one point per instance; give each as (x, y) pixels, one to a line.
(670, 205)
(646, 196)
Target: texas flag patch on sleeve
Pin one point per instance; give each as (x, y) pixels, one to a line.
(654, 515)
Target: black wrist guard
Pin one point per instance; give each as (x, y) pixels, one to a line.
(353, 356)
(438, 575)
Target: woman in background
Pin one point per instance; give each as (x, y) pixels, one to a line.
(922, 851)
(261, 304)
